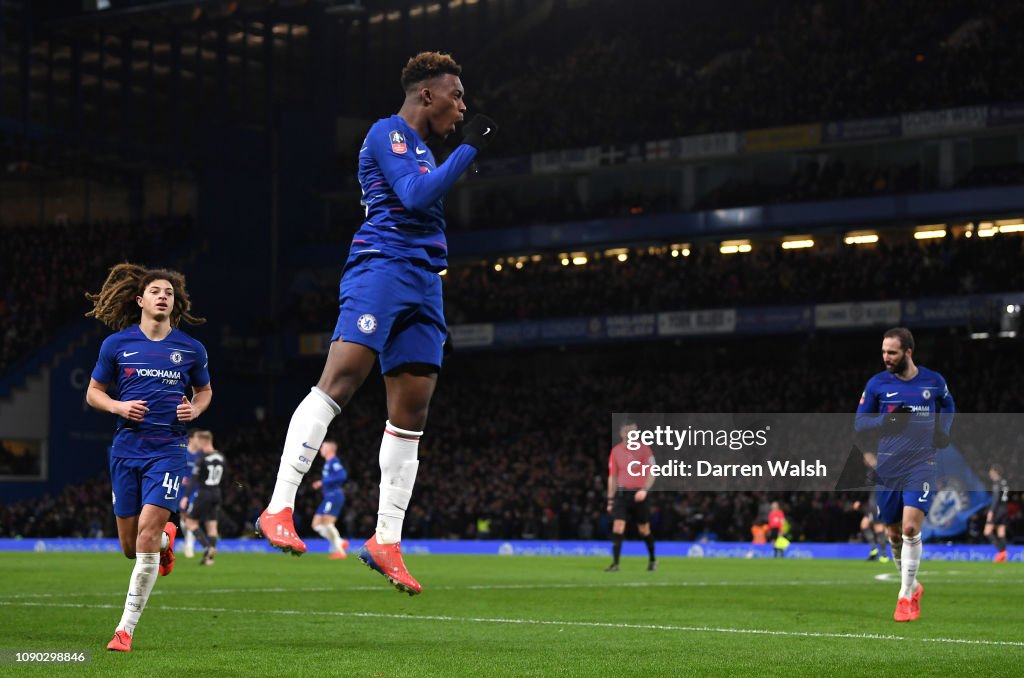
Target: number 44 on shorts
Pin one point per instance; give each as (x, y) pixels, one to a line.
(172, 485)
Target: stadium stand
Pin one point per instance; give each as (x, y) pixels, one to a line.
(534, 471)
(577, 79)
(705, 279)
(46, 270)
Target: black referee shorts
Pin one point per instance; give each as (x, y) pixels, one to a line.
(625, 506)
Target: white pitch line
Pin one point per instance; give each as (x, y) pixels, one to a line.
(887, 577)
(549, 622)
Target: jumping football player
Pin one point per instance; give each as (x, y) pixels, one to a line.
(390, 305)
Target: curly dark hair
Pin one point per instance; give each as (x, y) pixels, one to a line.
(427, 65)
(114, 305)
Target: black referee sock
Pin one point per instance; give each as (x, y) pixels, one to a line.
(880, 541)
(616, 548)
(867, 535)
(201, 537)
(213, 542)
(649, 540)
(1000, 543)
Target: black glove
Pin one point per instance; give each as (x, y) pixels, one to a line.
(479, 131)
(940, 439)
(894, 422)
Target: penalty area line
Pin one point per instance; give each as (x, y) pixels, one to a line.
(543, 622)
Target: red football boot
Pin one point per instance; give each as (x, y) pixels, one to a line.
(167, 555)
(915, 601)
(387, 559)
(904, 610)
(121, 642)
(279, 529)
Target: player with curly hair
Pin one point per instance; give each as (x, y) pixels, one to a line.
(153, 369)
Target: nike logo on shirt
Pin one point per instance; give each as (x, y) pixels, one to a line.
(126, 354)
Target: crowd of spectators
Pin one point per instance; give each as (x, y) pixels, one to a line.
(518, 448)
(81, 510)
(604, 71)
(767, 275)
(46, 270)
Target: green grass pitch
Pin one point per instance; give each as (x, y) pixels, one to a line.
(271, 615)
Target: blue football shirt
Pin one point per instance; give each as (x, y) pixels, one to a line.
(333, 476)
(159, 372)
(403, 194)
(928, 396)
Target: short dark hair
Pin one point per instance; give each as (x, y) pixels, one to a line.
(427, 65)
(903, 334)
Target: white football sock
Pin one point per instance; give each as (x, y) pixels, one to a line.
(330, 533)
(306, 432)
(147, 567)
(912, 548)
(335, 537)
(398, 467)
(190, 541)
(165, 541)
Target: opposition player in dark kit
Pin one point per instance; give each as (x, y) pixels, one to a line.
(390, 305)
(998, 515)
(204, 509)
(912, 409)
(159, 379)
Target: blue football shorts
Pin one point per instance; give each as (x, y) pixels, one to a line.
(393, 307)
(915, 488)
(331, 505)
(152, 480)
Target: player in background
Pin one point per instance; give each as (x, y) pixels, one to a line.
(912, 409)
(996, 519)
(326, 517)
(777, 530)
(205, 510)
(159, 379)
(872, 530)
(390, 305)
(627, 495)
(188, 494)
